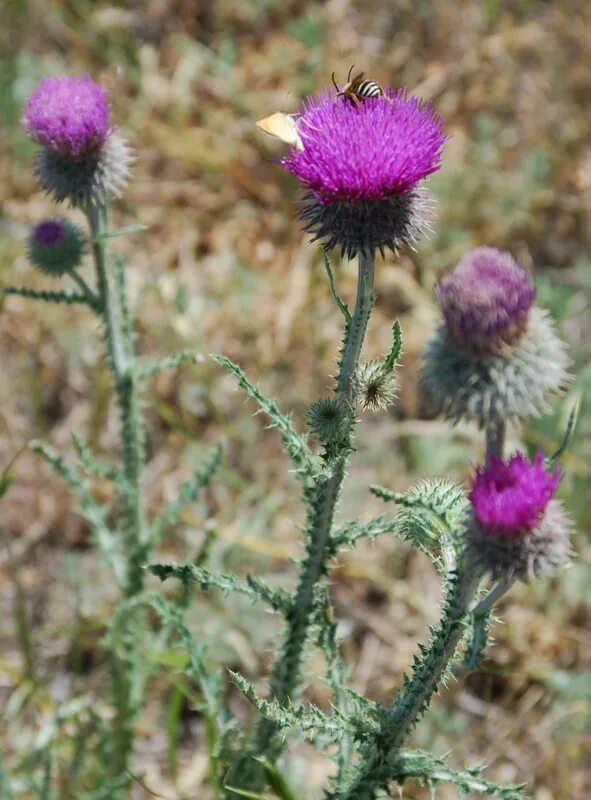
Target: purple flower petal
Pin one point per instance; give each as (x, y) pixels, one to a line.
(382, 147)
(486, 299)
(510, 497)
(69, 116)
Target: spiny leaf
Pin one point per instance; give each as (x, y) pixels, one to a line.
(429, 768)
(95, 514)
(349, 533)
(310, 721)
(67, 296)
(188, 494)
(91, 463)
(480, 628)
(392, 357)
(343, 307)
(568, 435)
(125, 231)
(172, 361)
(295, 444)
(252, 587)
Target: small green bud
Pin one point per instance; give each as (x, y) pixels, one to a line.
(56, 246)
(330, 419)
(374, 386)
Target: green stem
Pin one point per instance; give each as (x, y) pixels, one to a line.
(410, 704)
(113, 309)
(322, 502)
(495, 439)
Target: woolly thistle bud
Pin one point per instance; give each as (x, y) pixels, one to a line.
(516, 527)
(56, 246)
(361, 165)
(330, 419)
(374, 387)
(496, 358)
(81, 159)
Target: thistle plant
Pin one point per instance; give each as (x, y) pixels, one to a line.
(494, 359)
(83, 161)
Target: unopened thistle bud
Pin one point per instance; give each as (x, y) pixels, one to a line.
(361, 165)
(56, 246)
(331, 419)
(374, 386)
(496, 357)
(81, 158)
(516, 526)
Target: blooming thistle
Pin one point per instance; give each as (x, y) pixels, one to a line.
(81, 158)
(361, 166)
(56, 246)
(516, 527)
(496, 356)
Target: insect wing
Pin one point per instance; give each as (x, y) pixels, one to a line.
(283, 127)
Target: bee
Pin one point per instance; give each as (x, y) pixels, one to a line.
(359, 89)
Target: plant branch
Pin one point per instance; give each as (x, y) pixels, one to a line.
(322, 499)
(114, 312)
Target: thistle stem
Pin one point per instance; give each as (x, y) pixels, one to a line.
(322, 502)
(495, 439)
(416, 696)
(112, 305)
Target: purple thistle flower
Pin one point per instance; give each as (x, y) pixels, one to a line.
(366, 152)
(510, 497)
(517, 528)
(361, 165)
(69, 116)
(82, 158)
(485, 300)
(48, 233)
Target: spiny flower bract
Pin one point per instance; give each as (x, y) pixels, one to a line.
(485, 300)
(56, 246)
(488, 388)
(69, 116)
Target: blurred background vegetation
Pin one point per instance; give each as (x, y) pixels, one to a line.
(223, 267)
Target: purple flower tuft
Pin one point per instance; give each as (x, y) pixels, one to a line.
(485, 300)
(69, 116)
(382, 147)
(510, 497)
(48, 232)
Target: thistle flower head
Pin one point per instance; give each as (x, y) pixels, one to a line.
(485, 300)
(82, 158)
(361, 166)
(56, 246)
(504, 386)
(517, 526)
(510, 497)
(69, 116)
